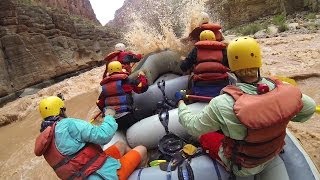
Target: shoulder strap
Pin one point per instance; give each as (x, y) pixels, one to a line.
(233, 91)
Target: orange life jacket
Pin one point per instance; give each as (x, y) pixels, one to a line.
(77, 166)
(209, 65)
(115, 96)
(266, 117)
(215, 28)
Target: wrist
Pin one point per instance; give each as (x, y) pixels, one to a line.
(110, 112)
(180, 102)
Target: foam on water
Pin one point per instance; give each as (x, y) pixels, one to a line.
(166, 27)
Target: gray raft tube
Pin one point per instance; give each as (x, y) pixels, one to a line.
(149, 131)
(204, 168)
(164, 65)
(145, 104)
(158, 64)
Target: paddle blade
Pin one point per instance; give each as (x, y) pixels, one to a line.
(318, 109)
(286, 79)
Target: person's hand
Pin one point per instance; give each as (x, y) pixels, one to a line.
(110, 112)
(141, 73)
(139, 56)
(179, 95)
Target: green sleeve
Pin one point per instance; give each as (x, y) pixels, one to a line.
(198, 123)
(309, 108)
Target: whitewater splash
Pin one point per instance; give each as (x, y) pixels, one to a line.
(167, 26)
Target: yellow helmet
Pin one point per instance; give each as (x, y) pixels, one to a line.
(244, 53)
(207, 35)
(114, 66)
(50, 106)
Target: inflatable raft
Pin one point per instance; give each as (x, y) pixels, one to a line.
(293, 164)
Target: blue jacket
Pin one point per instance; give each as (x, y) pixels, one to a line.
(72, 134)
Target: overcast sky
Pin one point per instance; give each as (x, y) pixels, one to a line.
(105, 9)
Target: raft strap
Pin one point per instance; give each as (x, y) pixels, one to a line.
(169, 170)
(139, 173)
(185, 171)
(217, 169)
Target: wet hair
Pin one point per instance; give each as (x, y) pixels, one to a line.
(251, 72)
(48, 121)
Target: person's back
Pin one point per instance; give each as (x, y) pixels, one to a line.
(209, 73)
(252, 114)
(117, 89)
(246, 121)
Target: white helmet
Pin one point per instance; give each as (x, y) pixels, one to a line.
(120, 47)
(204, 17)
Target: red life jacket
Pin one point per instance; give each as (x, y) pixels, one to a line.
(116, 56)
(115, 96)
(119, 56)
(209, 65)
(266, 117)
(215, 28)
(77, 166)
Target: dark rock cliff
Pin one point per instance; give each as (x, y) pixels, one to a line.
(38, 43)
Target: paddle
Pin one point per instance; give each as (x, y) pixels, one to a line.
(95, 117)
(293, 82)
(199, 98)
(318, 109)
(286, 79)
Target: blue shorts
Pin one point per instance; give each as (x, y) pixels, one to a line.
(208, 90)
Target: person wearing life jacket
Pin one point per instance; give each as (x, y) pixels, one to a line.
(206, 25)
(124, 57)
(208, 61)
(72, 147)
(116, 93)
(251, 115)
